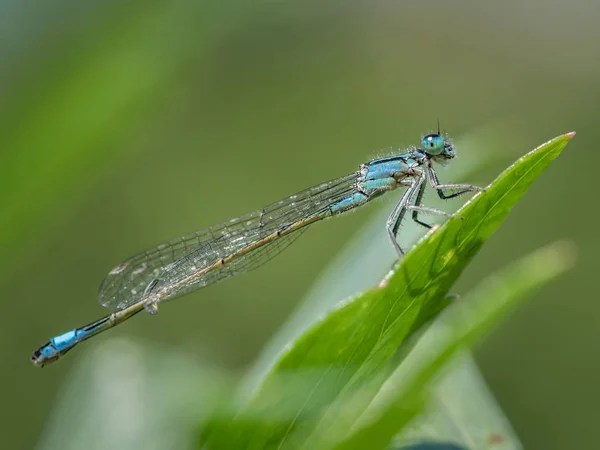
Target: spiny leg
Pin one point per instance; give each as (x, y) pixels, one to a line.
(424, 209)
(435, 183)
(415, 208)
(395, 218)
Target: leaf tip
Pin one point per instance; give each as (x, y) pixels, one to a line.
(555, 258)
(570, 135)
(566, 251)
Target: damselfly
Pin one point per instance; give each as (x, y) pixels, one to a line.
(246, 242)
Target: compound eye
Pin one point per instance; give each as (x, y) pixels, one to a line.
(433, 144)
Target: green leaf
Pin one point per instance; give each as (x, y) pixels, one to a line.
(463, 324)
(327, 378)
(360, 264)
(368, 254)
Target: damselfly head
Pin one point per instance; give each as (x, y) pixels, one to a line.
(437, 147)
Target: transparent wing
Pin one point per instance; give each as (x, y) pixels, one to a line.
(168, 263)
(245, 263)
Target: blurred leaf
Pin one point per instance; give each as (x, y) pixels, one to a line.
(432, 446)
(124, 396)
(463, 324)
(460, 406)
(70, 116)
(356, 347)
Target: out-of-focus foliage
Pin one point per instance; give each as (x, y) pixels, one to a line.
(124, 124)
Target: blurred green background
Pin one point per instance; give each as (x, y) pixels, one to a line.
(123, 124)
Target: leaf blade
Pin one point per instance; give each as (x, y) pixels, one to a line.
(463, 325)
(355, 347)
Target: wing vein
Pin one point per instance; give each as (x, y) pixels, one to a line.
(171, 262)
